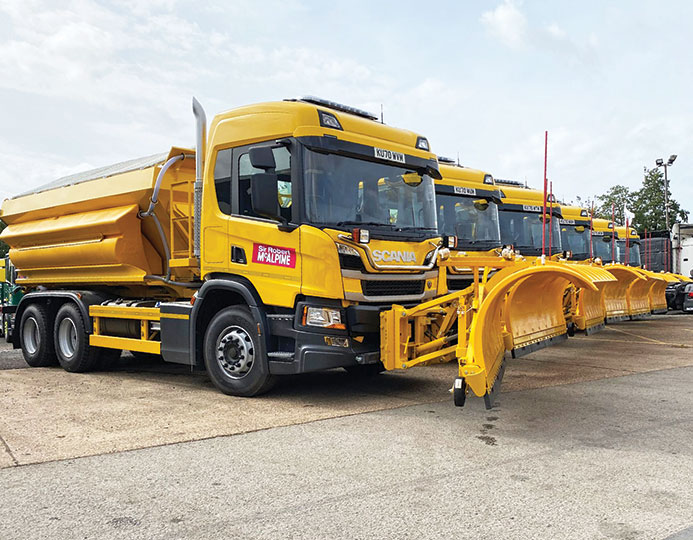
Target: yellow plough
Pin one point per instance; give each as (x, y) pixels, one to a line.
(616, 293)
(658, 286)
(518, 309)
(590, 309)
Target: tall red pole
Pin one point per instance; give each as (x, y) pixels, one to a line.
(591, 229)
(550, 218)
(613, 232)
(543, 229)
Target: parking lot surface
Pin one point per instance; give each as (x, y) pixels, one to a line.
(591, 439)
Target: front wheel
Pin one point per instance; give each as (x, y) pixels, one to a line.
(234, 355)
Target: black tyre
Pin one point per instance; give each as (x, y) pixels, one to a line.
(234, 355)
(72, 341)
(36, 337)
(459, 392)
(365, 371)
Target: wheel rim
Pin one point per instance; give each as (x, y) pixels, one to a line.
(235, 352)
(67, 337)
(31, 337)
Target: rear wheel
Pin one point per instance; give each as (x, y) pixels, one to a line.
(234, 355)
(36, 337)
(72, 341)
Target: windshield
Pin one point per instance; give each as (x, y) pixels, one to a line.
(601, 247)
(523, 230)
(577, 240)
(473, 220)
(633, 252)
(343, 191)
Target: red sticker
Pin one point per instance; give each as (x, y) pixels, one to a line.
(274, 255)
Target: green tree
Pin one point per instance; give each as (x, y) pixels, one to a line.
(648, 204)
(618, 196)
(4, 248)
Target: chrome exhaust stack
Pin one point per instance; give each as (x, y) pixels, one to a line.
(200, 148)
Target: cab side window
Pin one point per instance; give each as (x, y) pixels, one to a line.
(282, 157)
(222, 180)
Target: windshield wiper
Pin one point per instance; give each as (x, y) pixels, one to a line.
(370, 223)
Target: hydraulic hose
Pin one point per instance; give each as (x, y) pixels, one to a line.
(150, 213)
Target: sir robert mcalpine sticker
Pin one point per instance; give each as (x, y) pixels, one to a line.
(274, 255)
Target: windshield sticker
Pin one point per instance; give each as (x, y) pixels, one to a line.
(465, 191)
(389, 155)
(531, 208)
(274, 255)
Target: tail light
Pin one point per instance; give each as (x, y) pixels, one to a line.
(690, 294)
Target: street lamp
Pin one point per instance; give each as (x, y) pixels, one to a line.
(660, 163)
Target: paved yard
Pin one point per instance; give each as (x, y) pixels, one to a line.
(591, 439)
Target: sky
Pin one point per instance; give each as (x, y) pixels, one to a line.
(84, 84)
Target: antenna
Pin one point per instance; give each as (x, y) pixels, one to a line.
(381, 114)
(458, 159)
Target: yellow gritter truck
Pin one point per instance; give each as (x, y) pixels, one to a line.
(270, 250)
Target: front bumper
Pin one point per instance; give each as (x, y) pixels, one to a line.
(311, 350)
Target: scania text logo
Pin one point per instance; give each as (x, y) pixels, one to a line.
(385, 255)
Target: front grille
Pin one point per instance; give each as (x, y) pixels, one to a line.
(459, 283)
(392, 288)
(351, 262)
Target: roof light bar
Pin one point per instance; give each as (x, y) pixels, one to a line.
(509, 182)
(336, 106)
(443, 159)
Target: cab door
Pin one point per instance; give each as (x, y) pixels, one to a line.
(269, 257)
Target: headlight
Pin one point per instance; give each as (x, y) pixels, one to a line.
(347, 250)
(323, 317)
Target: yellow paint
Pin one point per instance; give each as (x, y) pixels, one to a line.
(128, 344)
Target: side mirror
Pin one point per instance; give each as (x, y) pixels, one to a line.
(262, 157)
(264, 195)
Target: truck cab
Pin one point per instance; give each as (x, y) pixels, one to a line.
(467, 202)
(602, 237)
(632, 249)
(302, 220)
(521, 221)
(575, 232)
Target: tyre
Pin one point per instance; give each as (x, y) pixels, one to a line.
(36, 337)
(72, 341)
(234, 355)
(365, 371)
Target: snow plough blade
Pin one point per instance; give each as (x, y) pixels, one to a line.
(590, 311)
(658, 287)
(520, 307)
(616, 293)
(639, 295)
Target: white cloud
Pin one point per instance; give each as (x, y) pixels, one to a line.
(507, 24)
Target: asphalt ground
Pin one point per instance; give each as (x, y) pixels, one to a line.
(592, 438)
